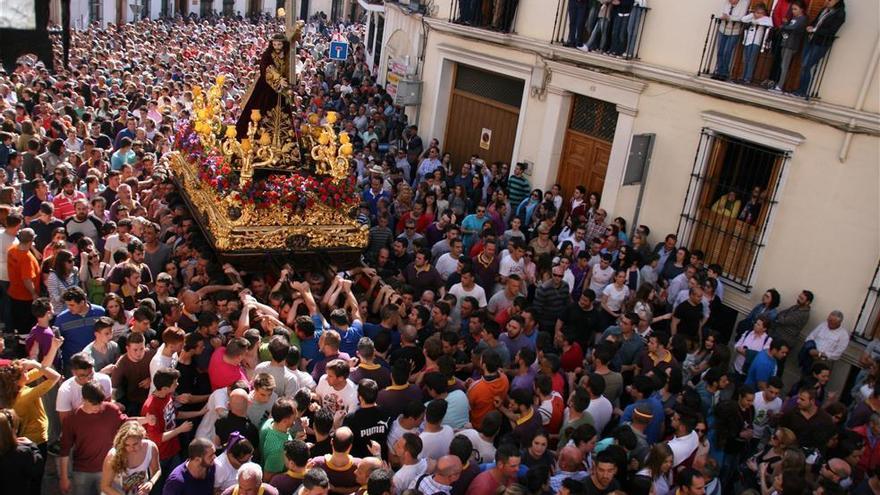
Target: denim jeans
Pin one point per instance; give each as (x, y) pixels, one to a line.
(466, 10)
(577, 20)
(726, 46)
(632, 35)
(86, 483)
(813, 54)
(750, 58)
(599, 38)
(618, 34)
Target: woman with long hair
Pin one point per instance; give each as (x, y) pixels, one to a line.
(93, 274)
(614, 297)
(675, 265)
(658, 467)
(770, 458)
(20, 460)
(115, 307)
(767, 307)
(526, 208)
(698, 361)
(17, 394)
(64, 275)
(132, 465)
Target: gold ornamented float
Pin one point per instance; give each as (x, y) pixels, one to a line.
(278, 190)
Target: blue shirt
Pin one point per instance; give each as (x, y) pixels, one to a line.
(308, 348)
(653, 431)
(78, 331)
(762, 368)
(350, 337)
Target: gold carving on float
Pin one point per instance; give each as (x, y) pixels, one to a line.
(239, 225)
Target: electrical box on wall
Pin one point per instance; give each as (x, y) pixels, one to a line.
(409, 92)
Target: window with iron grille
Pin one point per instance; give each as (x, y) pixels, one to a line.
(594, 117)
(868, 322)
(94, 11)
(730, 197)
(489, 85)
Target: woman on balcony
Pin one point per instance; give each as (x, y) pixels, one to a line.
(792, 38)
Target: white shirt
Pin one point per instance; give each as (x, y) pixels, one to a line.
(436, 444)
(758, 29)
(508, 266)
(460, 293)
(601, 410)
(397, 431)
(683, 447)
(224, 474)
(6, 242)
(751, 341)
(70, 393)
(218, 402)
(446, 265)
(304, 379)
(486, 450)
(661, 483)
(763, 411)
(160, 361)
(600, 278)
(830, 342)
(330, 396)
(615, 297)
(408, 474)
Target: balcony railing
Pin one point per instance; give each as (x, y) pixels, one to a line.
(617, 33)
(497, 15)
(755, 55)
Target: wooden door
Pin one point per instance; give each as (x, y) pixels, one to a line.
(469, 115)
(584, 162)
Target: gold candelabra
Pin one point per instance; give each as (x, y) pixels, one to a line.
(329, 157)
(249, 155)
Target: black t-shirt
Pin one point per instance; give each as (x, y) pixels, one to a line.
(149, 336)
(411, 354)
(231, 423)
(321, 448)
(591, 489)
(581, 323)
(370, 423)
(20, 468)
(689, 316)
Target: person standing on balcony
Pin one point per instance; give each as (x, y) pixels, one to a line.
(759, 25)
(620, 22)
(632, 28)
(577, 21)
(792, 38)
(599, 36)
(729, 28)
(821, 32)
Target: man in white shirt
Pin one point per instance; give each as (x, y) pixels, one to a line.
(286, 383)
(436, 437)
(7, 240)
(600, 407)
(685, 441)
(448, 263)
(409, 421)
(70, 392)
(484, 438)
(767, 405)
(334, 388)
(512, 263)
(467, 287)
(408, 449)
(831, 340)
(166, 355)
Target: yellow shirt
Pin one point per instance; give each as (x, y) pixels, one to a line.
(29, 408)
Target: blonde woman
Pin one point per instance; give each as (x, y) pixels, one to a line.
(132, 465)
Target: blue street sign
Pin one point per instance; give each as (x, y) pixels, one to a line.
(338, 50)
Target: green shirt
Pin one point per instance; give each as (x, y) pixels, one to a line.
(272, 447)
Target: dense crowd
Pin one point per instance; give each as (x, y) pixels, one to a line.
(497, 339)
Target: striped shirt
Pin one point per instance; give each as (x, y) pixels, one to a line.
(430, 487)
(518, 188)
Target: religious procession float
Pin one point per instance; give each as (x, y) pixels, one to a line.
(276, 183)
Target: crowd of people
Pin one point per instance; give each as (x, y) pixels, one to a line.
(497, 338)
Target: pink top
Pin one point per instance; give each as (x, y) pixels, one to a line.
(221, 373)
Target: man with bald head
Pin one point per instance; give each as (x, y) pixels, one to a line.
(447, 472)
(571, 463)
(340, 466)
(364, 470)
(236, 420)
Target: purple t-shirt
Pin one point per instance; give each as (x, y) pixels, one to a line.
(524, 382)
(42, 337)
(181, 482)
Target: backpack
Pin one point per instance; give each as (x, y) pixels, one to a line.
(750, 354)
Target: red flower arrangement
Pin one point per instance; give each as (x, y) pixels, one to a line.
(292, 192)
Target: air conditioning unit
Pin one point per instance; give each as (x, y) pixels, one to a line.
(409, 92)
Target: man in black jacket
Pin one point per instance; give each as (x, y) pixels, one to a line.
(822, 32)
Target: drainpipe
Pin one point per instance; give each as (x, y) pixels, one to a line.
(860, 101)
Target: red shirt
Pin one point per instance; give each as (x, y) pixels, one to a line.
(163, 410)
(573, 358)
(90, 436)
(221, 373)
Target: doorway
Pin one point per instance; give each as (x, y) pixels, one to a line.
(587, 145)
(483, 115)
